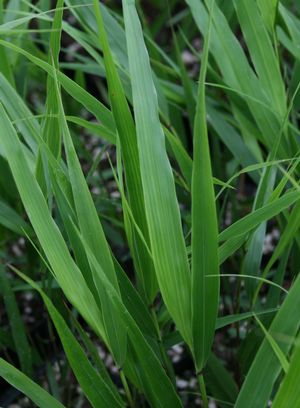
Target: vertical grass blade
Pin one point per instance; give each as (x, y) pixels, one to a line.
(52, 133)
(92, 231)
(17, 109)
(162, 210)
(66, 272)
(23, 348)
(50, 128)
(5, 67)
(235, 68)
(205, 292)
(262, 52)
(268, 10)
(127, 134)
(155, 381)
(288, 234)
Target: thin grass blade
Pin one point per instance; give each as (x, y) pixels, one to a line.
(98, 392)
(66, 272)
(205, 292)
(23, 348)
(162, 210)
(92, 230)
(23, 383)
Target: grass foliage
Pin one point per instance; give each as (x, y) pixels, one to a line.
(148, 152)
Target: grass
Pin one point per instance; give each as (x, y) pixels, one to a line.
(148, 153)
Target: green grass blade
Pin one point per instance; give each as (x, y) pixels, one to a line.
(288, 395)
(93, 353)
(273, 297)
(70, 86)
(236, 234)
(5, 67)
(219, 380)
(286, 238)
(92, 230)
(155, 381)
(268, 10)
(32, 390)
(52, 381)
(66, 272)
(51, 131)
(230, 247)
(186, 82)
(10, 219)
(262, 214)
(227, 52)
(23, 348)
(183, 159)
(293, 222)
(230, 137)
(262, 52)
(227, 320)
(260, 380)
(205, 292)
(134, 304)
(50, 128)
(127, 134)
(95, 128)
(17, 110)
(162, 210)
(255, 245)
(276, 349)
(175, 338)
(95, 388)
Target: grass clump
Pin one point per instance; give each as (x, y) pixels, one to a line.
(149, 203)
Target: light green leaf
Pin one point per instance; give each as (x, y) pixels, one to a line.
(66, 272)
(162, 210)
(268, 9)
(128, 140)
(33, 391)
(276, 349)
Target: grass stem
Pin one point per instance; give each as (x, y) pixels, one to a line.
(203, 390)
(127, 390)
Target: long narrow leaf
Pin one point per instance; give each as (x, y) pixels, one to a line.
(162, 210)
(20, 381)
(205, 292)
(127, 134)
(95, 388)
(92, 230)
(23, 348)
(66, 272)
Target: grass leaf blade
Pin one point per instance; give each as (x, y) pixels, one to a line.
(205, 293)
